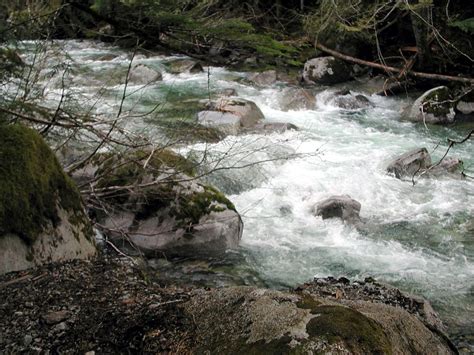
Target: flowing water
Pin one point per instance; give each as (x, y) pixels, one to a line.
(418, 237)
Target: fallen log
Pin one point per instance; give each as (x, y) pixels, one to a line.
(387, 68)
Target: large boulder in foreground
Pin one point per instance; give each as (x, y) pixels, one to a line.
(343, 207)
(230, 115)
(326, 71)
(245, 320)
(435, 106)
(417, 162)
(42, 218)
(162, 209)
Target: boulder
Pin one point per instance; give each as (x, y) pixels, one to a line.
(410, 163)
(326, 71)
(448, 166)
(230, 115)
(265, 78)
(42, 218)
(247, 320)
(163, 210)
(295, 99)
(418, 162)
(435, 106)
(185, 66)
(343, 207)
(348, 101)
(465, 107)
(141, 74)
(227, 123)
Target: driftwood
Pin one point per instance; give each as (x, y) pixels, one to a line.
(387, 68)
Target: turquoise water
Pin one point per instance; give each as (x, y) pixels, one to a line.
(419, 237)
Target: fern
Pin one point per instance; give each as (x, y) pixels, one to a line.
(466, 25)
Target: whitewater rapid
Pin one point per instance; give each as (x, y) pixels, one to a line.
(418, 237)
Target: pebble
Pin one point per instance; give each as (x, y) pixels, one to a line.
(56, 317)
(61, 326)
(27, 340)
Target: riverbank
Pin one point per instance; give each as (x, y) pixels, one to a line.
(110, 306)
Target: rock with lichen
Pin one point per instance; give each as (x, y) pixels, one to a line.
(246, 320)
(156, 203)
(435, 106)
(42, 218)
(326, 71)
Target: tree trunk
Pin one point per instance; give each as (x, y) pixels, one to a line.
(420, 21)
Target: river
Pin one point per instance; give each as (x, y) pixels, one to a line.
(418, 237)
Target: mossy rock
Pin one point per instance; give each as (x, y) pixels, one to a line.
(359, 333)
(132, 168)
(434, 106)
(32, 185)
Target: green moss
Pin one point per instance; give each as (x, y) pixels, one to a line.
(31, 184)
(307, 302)
(359, 333)
(191, 207)
(116, 171)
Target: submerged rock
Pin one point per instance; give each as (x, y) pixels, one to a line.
(326, 71)
(434, 106)
(163, 210)
(274, 127)
(141, 74)
(228, 92)
(42, 218)
(343, 207)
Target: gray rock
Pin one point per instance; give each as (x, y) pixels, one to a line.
(56, 317)
(448, 166)
(246, 320)
(56, 227)
(176, 217)
(326, 70)
(266, 78)
(348, 101)
(297, 99)
(343, 207)
(231, 115)
(411, 163)
(141, 74)
(227, 123)
(465, 107)
(435, 106)
(185, 66)
(229, 92)
(27, 340)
